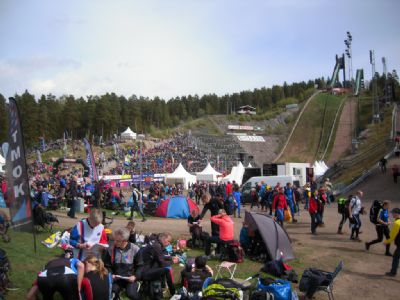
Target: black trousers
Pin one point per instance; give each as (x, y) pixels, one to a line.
(131, 288)
(65, 284)
(160, 273)
(344, 219)
(381, 230)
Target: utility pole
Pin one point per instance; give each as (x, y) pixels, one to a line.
(375, 103)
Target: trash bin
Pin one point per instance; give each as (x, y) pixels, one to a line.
(81, 205)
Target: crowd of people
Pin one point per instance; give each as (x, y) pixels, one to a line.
(95, 267)
(163, 158)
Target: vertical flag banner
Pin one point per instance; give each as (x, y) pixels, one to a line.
(18, 194)
(90, 160)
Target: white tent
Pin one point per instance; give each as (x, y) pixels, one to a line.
(319, 168)
(208, 174)
(2, 164)
(128, 134)
(236, 174)
(180, 175)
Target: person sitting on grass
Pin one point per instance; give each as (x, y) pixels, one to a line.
(63, 275)
(120, 260)
(194, 276)
(194, 224)
(132, 233)
(97, 282)
(154, 264)
(226, 229)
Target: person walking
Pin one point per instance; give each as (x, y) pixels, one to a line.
(237, 196)
(136, 203)
(279, 205)
(395, 236)
(382, 227)
(382, 164)
(355, 209)
(314, 212)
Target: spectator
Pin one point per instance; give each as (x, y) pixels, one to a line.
(382, 227)
(213, 205)
(155, 264)
(63, 275)
(395, 236)
(226, 228)
(279, 205)
(314, 212)
(88, 236)
(97, 281)
(355, 209)
(120, 261)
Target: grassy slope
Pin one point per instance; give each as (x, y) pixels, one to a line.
(378, 134)
(304, 143)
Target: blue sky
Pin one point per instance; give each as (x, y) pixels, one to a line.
(171, 48)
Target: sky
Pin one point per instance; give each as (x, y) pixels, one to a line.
(171, 48)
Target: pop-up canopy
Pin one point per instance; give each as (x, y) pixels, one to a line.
(208, 174)
(236, 174)
(180, 175)
(128, 134)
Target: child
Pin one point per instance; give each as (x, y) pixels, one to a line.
(132, 234)
(244, 237)
(193, 276)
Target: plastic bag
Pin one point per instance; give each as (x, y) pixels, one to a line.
(288, 215)
(281, 289)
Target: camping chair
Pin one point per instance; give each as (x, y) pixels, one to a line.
(329, 288)
(230, 267)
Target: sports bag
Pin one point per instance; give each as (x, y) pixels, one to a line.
(235, 252)
(217, 291)
(281, 289)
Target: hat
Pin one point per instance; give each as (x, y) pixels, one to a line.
(396, 210)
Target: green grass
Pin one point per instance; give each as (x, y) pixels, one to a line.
(304, 143)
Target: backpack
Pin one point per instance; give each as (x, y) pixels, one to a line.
(261, 295)
(374, 211)
(347, 206)
(222, 288)
(5, 267)
(341, 205)
(235, 252)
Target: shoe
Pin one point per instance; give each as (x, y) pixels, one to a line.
(144, 220)
(130, 219)
(366, 246)
(388, 254)
(356, 239)
(339, 231)
(294, 221)
(239, 217)
(390, 274)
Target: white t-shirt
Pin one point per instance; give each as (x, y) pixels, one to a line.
(355, 205)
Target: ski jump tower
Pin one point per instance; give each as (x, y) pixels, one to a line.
(340, 65)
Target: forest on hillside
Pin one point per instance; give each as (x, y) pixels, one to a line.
(105, 115)
(51, 116)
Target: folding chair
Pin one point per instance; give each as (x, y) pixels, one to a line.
(329, 288)
(230, 267)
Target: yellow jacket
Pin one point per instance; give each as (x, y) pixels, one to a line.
(394, 232)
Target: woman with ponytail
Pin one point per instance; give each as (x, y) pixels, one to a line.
(97, 281)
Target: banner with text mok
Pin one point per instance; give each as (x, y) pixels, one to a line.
(18, 192)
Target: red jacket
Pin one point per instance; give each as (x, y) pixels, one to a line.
(313, 205)
(225, 227)
(229, 188)
(279, 202)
